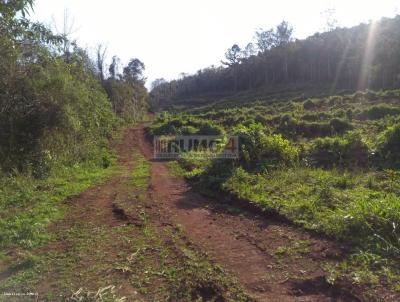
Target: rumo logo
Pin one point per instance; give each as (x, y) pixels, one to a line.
(196, 146)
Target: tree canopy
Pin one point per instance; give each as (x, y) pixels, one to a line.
(361, 57)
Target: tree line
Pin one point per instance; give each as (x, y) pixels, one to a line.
(361, 57)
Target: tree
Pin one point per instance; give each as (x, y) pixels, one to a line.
(157, 83)
(331, 22)
(114, 67)
(66, 30)
(233, 55)
(101, 56)
(133, 72)
(331, 59)
(9, 9)
(249, 50)
(265, 39)
(283, 34)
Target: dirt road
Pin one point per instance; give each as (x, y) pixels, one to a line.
(272, 260)
(126, 235)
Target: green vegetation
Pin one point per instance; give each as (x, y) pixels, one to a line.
(56, 120)
(57, 117)
(28, 206)
(141, 173)
(277, 63)
(330, 167)
(326, 159)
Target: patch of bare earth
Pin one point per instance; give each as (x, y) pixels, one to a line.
(93, 215)
(272, 260)
(113, 234)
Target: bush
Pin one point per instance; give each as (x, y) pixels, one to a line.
(336, 99)
(185, 126)
(188, 130)
(348, 152)
(259, 149)
(339, 126)
(378, 112)
(164, 128)
(288, 125)
(388, 150)
(291, 127)
(209, 128)
(129, 100)
(60, 114)
(315, 117)
(389, 94)
(367, 95)
(310, 104)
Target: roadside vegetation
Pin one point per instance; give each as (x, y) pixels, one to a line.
(59, 110)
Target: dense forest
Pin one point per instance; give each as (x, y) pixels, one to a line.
(361, 57)
(58, 106)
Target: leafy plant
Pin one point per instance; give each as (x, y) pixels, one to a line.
(388, 149)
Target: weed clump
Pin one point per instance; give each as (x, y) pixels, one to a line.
(347, 152)
(388, 150)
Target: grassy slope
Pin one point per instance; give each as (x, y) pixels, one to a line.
(28, 205)
(358, 206)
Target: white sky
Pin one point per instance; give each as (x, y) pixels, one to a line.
(174, 36)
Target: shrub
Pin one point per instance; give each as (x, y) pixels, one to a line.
(188, 130)
(349, 114)
(186, 126)
(378, 112)
(288, 125)
(165, 128)
(347, 152)
(388, 150)
(315, 117)
(209, 128)
(389, 94)
(60, 115)
(128, 99)
(260, 149)
(291, 127)
(310, 104)
(339, 126)
(336, 99)
(367, 95)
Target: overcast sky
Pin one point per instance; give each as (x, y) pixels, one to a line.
(174, 36)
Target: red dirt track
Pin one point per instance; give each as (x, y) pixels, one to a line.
(245, 244)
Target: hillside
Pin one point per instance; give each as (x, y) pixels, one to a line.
(308, 209)
(318, 125)
(357, 58)
(329, 165)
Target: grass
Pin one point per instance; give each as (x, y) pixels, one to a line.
(301, 247)
(341, 205)
(335, 203)
(141, 173)
(28, 206)
(354, 198)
